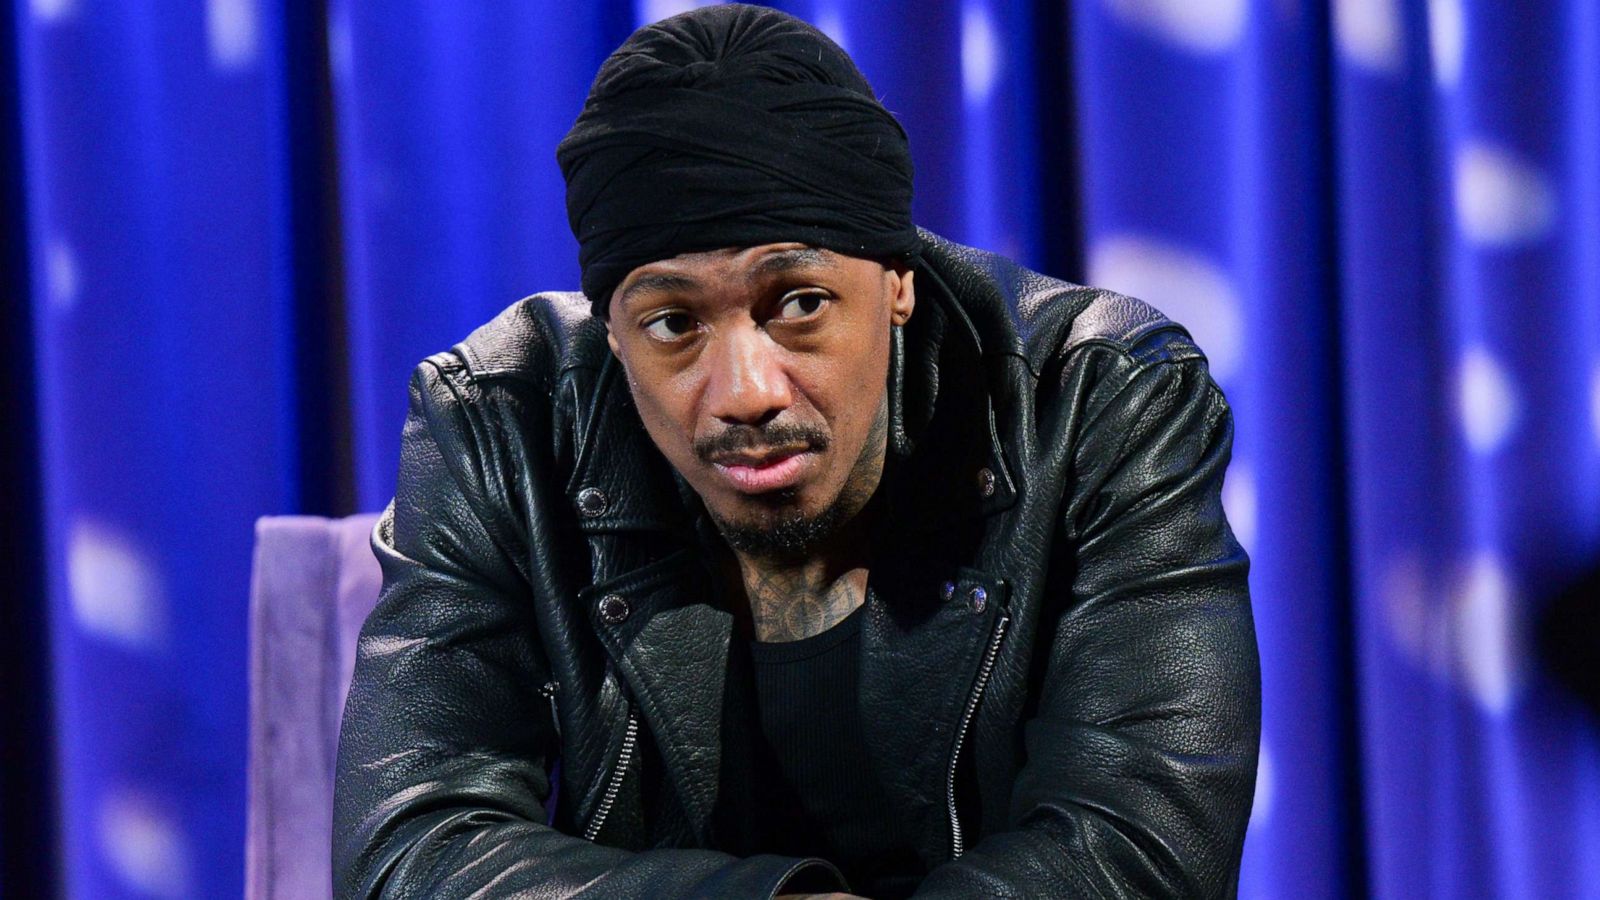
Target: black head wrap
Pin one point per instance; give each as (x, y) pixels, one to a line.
(731, 126)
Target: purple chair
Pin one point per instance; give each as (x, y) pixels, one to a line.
(313, 582)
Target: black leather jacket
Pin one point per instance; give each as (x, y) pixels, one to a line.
(1059, 680)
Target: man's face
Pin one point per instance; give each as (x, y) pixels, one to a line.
(761, 373)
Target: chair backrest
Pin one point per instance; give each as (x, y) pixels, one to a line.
(313, 581)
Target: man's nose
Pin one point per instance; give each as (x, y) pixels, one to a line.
(747, 383)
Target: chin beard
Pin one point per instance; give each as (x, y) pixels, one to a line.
(787, 535)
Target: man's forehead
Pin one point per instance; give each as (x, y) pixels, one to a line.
(761, 258)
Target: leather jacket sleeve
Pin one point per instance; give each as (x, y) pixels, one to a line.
(442, 775)
(1141, 758)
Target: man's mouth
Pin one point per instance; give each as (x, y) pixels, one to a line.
(755, 473)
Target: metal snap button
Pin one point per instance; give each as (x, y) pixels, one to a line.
(948, 591)
(978, 598)
(592, 502)
(986, 483)
(614, 610)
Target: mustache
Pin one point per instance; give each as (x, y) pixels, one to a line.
(738, 438)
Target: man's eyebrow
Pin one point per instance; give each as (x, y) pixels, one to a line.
(664, 282)
(791, 260)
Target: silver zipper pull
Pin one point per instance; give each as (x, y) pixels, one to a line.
(548, 689)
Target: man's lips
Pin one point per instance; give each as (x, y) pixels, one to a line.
(758, 473)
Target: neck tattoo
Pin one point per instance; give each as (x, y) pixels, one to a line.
(793, 603)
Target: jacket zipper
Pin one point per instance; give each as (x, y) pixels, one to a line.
(615, 785)
(957, 844)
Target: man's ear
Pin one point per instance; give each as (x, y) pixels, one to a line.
(611, 341)
(905, 298)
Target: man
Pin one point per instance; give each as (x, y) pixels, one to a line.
(805, 551)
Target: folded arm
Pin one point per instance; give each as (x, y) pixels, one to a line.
(1141, 758)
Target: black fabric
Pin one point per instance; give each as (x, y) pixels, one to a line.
(732, 126)
(814, 791)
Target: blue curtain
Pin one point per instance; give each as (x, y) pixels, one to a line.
(231, 228)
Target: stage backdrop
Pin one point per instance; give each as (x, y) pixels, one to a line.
(244, 221)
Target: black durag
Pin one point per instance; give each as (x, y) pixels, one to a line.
(732, 126)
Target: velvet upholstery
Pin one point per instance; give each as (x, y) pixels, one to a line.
(313, 582)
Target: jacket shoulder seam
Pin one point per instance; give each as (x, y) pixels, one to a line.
(1146, 350)
(551, 317)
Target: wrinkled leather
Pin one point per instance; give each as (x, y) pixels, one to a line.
(1111, 752)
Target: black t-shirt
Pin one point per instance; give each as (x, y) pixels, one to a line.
(813, 789)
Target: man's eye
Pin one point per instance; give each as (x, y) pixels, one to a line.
(670, 327)
(801, 306)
